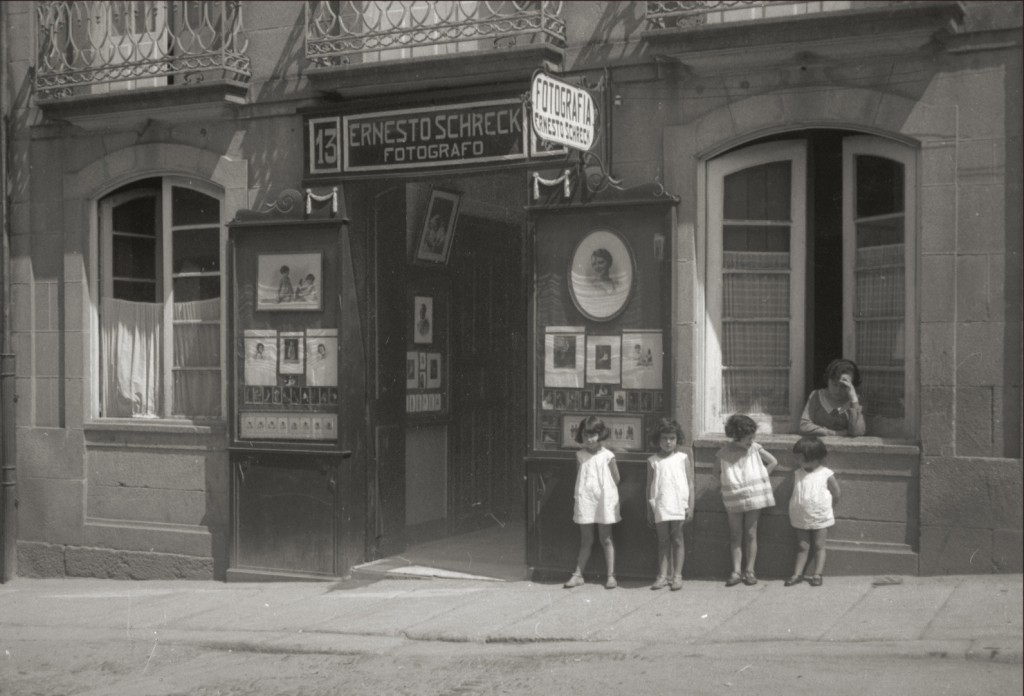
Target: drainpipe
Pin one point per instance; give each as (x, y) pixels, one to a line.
(8, 474)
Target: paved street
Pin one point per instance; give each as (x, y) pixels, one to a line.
(440, 635)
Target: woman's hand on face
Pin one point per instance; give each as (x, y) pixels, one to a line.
(847, 386)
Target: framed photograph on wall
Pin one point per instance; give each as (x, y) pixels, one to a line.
(604, 364)
(423, 320)
(563, 356)
(289, 283)
(435, 243)
(601, 274)
(290, 353)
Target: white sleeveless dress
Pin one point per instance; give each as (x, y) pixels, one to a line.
(597, 496)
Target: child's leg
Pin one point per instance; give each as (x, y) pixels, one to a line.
(736, 540)
(675, 528)
(604, 535)
(750, 536)
(586, 542)
(803, 547)
(819, 536)
(664, 550)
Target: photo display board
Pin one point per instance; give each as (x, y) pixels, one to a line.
(286, 340)
(427, 351)
(600, 327)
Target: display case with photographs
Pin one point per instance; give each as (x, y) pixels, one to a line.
(600, 329)
(287, 384)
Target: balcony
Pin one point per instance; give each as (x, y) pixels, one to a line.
(715, 34)
(97, 57)
(368, 47)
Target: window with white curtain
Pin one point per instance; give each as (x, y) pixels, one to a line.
(161, 310)
(809, 258)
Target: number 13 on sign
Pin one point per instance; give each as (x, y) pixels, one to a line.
(324, 145)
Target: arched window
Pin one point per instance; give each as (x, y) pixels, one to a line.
(161, 310)
(811, 247)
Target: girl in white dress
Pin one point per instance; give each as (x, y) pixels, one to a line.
(669, 501)
(743, 467)
(815, 493)
(597, 497)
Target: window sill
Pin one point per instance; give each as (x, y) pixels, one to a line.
(154, 425)
(857, 445)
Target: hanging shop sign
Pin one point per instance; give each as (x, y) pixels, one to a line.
(562, 113)
(422, 138)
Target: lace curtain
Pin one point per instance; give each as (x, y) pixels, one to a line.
(131, 347)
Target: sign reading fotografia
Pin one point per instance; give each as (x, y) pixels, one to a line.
(428, 137)
(562, 113)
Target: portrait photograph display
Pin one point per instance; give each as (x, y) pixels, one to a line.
(290, 353)
(564, 356)
(433, 370)
(601, 275)
(435, 242)
(411, 369)
(642, 360)
(260, 357)
(604, 361)
(289, 282)
(322, 357)
(423, 320)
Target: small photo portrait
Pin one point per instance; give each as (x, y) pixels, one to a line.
(276, 396)
(433, 371)
(586, 400)
(602, 390)
(291, 356)
(646, 402)
(548, 400)
(304, 395)
(572, 400)
(286, 396)
(549, 421)
(423, 320)
(602, 403)
(619, 400)
(334, 395)
(268, 395)
(411, 367)
(564, 355)
(314, 396)
(549, 437)
(559, 400)
(633, 401)
(435, 241)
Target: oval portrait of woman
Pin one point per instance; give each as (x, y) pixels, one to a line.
(601, 275)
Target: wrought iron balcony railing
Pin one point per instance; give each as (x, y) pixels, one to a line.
(344, 32)
(671, 14)
(89, 47)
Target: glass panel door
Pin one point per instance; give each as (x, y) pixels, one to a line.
(756, 220)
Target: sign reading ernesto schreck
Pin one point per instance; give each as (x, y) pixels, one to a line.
(421, 138)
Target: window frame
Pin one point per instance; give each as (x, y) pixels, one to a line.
(854, 146)
(713, 176)
(718, 169)
(102, 286)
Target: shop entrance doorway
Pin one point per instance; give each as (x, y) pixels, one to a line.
(488, 375)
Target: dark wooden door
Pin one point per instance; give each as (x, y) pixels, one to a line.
(488, 374)
(386, 472)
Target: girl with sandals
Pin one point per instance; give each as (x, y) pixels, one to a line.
(743, 467)
(597, 497)
(815, 493)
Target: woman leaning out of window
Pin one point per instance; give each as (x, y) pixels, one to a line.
(836, 409)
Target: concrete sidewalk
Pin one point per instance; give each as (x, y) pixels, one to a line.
(972, 617)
